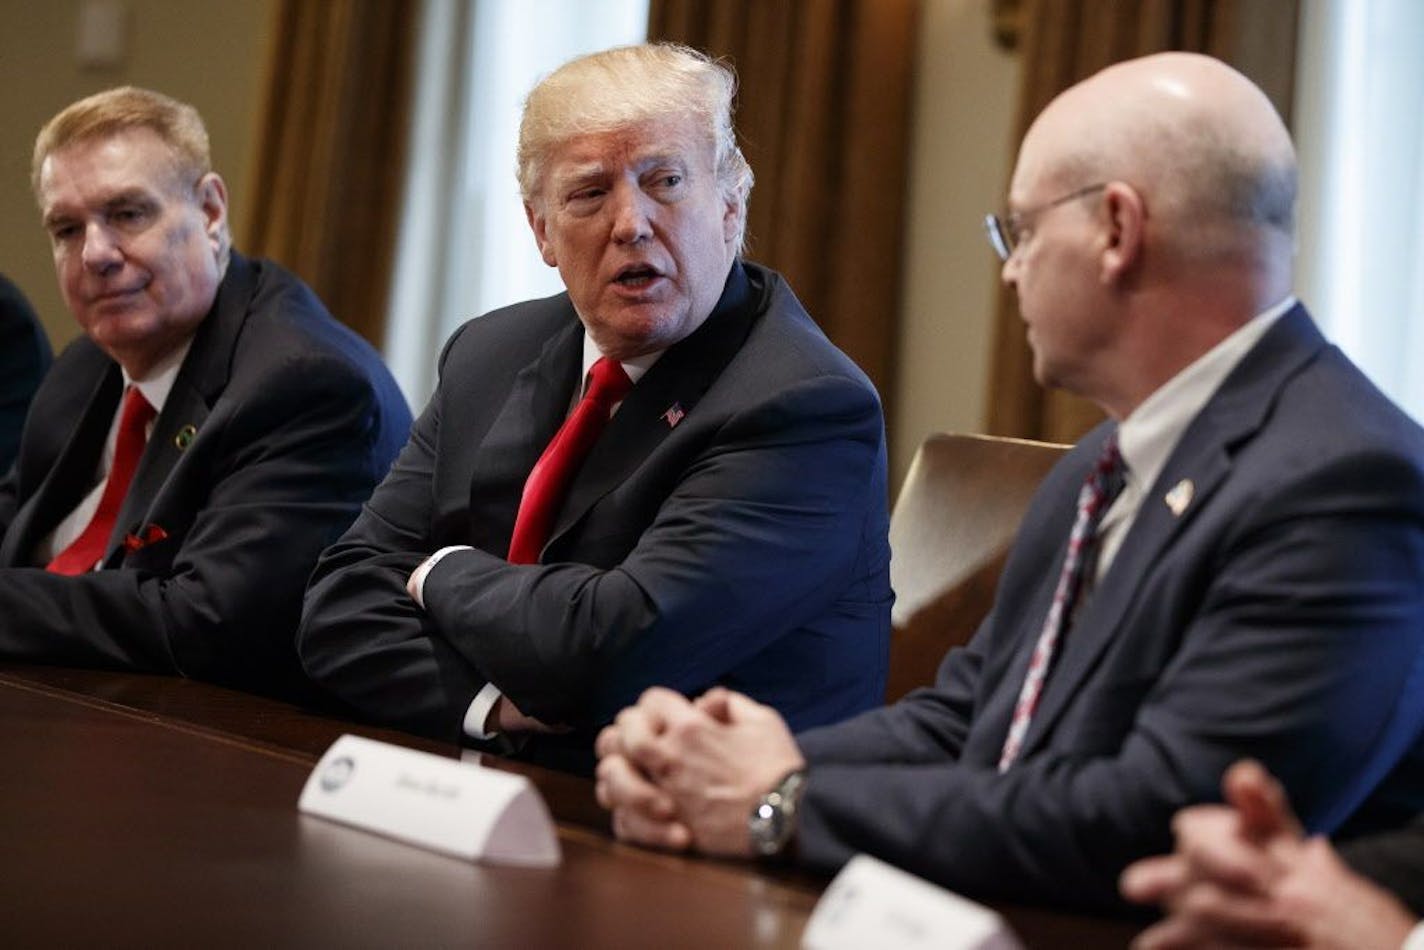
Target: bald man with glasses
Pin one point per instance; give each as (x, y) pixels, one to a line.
(1231, 565)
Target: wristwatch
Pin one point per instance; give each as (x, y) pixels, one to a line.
(772, 823)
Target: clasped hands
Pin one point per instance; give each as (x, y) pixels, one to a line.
(1244, 874)
(681, 774)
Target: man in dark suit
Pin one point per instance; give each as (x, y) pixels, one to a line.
(1251, 584)
(24, 357)
(1244, 875)
(190, 455)
(727, 526)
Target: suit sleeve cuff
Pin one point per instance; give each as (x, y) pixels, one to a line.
(480, 708)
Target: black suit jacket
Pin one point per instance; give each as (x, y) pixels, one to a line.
(744, 543)
(1279, 616)
(279, 424)
(24, 357)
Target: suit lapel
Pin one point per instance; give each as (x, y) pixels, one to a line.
(536, 406)
(1203, 456)
(674, 384)
(201, 379)
(72, 473)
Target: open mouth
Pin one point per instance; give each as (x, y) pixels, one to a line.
(636, 275)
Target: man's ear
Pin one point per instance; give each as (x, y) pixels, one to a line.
(539, 225)
(211, 195)
(1124, 217)
(731, 218)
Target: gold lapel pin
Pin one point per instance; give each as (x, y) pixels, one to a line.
(1180, 496)
(185, 436)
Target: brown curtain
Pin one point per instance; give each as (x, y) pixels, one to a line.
(824, 119)
(1064, 41)
(330, 150)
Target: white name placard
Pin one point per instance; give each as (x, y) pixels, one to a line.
(871, 904)
(458, 808)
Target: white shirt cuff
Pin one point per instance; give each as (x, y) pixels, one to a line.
(419, 575)
(1415, 940)
(479, 711)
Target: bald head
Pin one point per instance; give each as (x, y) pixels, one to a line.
(1200, 141)
(1153, 209)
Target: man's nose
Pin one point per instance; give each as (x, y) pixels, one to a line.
(631, 221)
(101, 252)
(1008, 271)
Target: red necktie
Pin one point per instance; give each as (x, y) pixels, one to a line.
(549, 480)
(1103, 485)
(86, 550)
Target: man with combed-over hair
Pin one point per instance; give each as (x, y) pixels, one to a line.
(722, 520)
(213, 429)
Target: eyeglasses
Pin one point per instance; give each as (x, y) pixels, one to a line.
(1006, 232)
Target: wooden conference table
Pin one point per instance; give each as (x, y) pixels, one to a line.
(153, 811)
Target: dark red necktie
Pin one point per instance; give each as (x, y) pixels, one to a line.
(549, 480)
(86, 550)
(1103, 485)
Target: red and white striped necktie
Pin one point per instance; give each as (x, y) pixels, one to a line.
(1103, 485)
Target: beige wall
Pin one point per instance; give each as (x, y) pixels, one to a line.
(202, 51)
(966, 93)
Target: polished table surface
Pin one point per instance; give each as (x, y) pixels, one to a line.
(150, 811)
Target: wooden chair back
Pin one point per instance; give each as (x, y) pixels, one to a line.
(957, 514)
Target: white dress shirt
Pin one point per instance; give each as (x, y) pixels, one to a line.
(1147, 437)
(155, 386)
(479, 710)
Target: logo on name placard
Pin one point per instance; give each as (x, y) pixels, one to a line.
(337, 773)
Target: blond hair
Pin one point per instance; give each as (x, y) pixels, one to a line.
(113, 111)
(627, 85)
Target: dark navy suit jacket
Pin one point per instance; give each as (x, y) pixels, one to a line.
(279, 424)
(24, 357)
(745, 545)
(1280, 616)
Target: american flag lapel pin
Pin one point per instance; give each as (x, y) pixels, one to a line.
(1180, 496)
(673, 415)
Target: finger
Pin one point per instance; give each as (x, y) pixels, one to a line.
(1153, 880)
(1209, 839)
(714, 703)
(1233, 918)
(609, 742)
(1255, 793)
(1173, 933)
(620, 785)
(630, 825)
(660, 702)
(1177, 933)
(741, 707)
(641, 739)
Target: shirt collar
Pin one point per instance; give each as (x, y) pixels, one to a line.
(1148, 435)
(158, 382)
(634, 367)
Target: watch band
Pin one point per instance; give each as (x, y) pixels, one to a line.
(771, 826)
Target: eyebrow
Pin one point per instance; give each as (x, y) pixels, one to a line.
(587, 171)
(125, 196)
